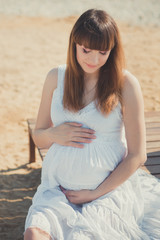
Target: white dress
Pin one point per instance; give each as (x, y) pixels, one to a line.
(130, 212)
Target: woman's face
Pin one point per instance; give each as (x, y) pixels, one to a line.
(91, 60)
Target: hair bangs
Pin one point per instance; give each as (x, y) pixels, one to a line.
(102, 40)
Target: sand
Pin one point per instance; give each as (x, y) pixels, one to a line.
(29, 47)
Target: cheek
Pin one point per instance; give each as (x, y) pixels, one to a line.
(78, 57)
(104, 59)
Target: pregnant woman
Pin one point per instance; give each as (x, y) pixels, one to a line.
(91, 118)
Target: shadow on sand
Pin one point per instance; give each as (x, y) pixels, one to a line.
(17, 187)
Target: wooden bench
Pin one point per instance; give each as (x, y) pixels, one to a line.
(152, 165)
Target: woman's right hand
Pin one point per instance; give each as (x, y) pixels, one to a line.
(68, 133)
(71, 134)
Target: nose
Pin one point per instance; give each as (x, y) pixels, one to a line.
(94, 59)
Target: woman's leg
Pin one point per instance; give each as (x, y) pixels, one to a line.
(36, 234)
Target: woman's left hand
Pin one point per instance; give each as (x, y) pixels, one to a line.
(79, 197)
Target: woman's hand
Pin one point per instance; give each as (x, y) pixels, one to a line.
(79, 197)
(71, 134)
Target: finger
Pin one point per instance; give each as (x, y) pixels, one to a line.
(82, 140)
(85, 135)
(86, 130)
(74, 124)
(82, 129)
(74, 144)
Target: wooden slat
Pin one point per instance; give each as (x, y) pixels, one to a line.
(152, 119)
(153, 169)
(31, 143)
(153, 153)
(152, 125)
(153, 160)
(155, 144)
(152, 138)
(155, 131)
(150, 115)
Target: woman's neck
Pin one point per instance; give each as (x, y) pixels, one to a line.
(91, 76)
(90, 85)
(90, 82)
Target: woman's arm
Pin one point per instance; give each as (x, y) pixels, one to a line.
(41, 132)
(133, 116)
(134, 122)
(68, 133)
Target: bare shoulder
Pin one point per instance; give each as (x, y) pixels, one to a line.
(131, 83)
(44, 118)
(131, 89)
(51, 79)
(133, 104)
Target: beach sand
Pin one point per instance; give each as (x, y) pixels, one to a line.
(29, 48)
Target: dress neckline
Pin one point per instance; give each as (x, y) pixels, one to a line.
(88, 105)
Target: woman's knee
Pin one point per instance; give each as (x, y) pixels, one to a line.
(36, 234)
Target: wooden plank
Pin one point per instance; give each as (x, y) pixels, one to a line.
(155, 144)
(153, 160)
(152, 125)
(152, 119)
(152, 114)
(150, 131)
(152, 138)
(153, 153)
(32, 155)
(153, 169)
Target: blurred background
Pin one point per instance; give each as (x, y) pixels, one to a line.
(34, 39)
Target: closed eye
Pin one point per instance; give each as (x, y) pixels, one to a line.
(103, 53)
(85, 51)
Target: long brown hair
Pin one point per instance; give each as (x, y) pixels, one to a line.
(95, 29)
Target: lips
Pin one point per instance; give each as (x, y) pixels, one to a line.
(91, 66)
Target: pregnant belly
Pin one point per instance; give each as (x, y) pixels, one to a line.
(86, 168)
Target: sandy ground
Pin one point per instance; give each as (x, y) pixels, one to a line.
(29, 48)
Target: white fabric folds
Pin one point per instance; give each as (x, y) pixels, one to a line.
(130, 212)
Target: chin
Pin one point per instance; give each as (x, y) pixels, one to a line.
(90, 70)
